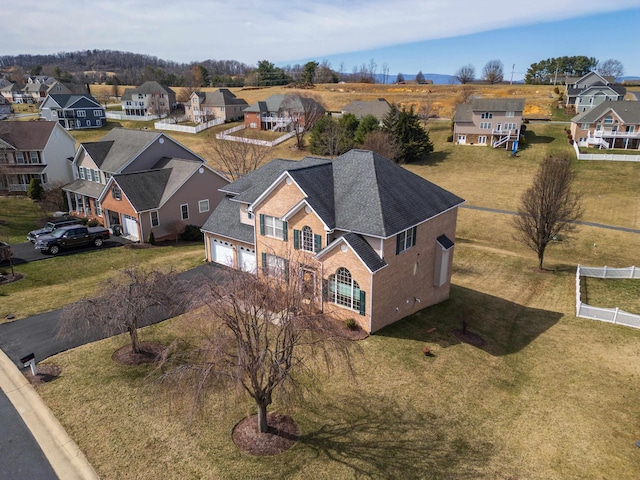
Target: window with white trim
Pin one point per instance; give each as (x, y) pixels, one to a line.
(184, 211)
(155, 218)
(33, 157)
(98, 208)
(509, 126)
(81, 113)
(406, 240)
(608, 120)
(19, 157)
(486, 115)
(344, 290)
(273, 227)
(306, 239)
(274, 265)
(510, 114)
(482, 140)
(81, 173)
(584, 126)
(485, 125)
(97, 113)
(203, 205)
(116, 193)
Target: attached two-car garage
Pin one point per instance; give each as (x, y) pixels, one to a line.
(223, 252)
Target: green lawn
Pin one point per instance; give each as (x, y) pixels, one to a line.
(18, 216)
(612, 293)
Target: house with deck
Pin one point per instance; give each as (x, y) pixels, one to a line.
(203, 107)
(150, 98)
(590, 90)
(494, 122)
(610, 124)
(369, 240)
(281, 112)
(73, 112)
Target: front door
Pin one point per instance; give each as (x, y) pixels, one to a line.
(462, 139)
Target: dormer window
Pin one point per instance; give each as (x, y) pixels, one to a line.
(116, 193)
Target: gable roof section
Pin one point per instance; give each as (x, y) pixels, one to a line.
(98, 151)
(607, 89)
(150, 189)
(360, 247)
(125, 145)
(464, 114)
(220, 98)
(629, 112)
(317, 183)
(27, 135)
(375, 196)
(271, 104)
(151, 87)
(74, 101)
(225, 221)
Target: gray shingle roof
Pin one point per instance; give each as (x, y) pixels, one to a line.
(362, 248)
(377, 197)
(225, 221)
(464, 113)
(629, 112)
(85, 187)
(498, 104)
(26, 135)
(220, 98)
(76, 101)
(271, 104)
(317, 183)
(124, 146)
(360, 108)
(150, 189)
(152, 87)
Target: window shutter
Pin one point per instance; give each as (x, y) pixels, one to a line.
(285, 232)
(296, 239)
(261, 224)
(398, 247)
(264, 262)
(363, 297)
(415, 231)
(318, 242)
(286, 270)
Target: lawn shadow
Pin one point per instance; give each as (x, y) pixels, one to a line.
(378, 437)
(506, 327)
(432, 159)
(531, 139)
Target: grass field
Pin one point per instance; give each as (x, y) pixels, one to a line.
(549, 395)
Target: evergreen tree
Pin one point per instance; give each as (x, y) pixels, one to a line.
(412, 139)
(35, 190)
(367, 124)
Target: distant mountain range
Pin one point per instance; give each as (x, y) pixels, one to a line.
(436, 78)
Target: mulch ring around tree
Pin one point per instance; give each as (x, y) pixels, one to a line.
(470, 338)
(150, 352)
(282, 435)
(46, 373)
(8, 278)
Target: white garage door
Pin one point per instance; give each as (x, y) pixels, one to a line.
(222, 252)
(130, 227)
(247, 259)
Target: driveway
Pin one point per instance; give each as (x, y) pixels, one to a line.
(25, 252)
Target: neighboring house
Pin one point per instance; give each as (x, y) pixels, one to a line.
(14, 94)
(591, 90)
(150, 98)
(370, 240)
(489, 121)
(40, 150)
(275, 114)
(153, 173)
(611, 124)
(5, 108)
(73, 112)
(221, 104)
(38, 90)
(361, 108)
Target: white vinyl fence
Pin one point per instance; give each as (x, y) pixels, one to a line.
(135, 118)
(610, 315)
(166, 125)
(226, 135)
(605, 156)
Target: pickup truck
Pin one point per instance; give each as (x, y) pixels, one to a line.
(52, 225)
(71, 236)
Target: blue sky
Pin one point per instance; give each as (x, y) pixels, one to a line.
(435, 36)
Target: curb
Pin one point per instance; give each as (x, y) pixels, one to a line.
(60, 450)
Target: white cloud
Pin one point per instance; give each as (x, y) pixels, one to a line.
(277, 30)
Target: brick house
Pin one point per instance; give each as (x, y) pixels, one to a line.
(494, 122)
(610, 124)
(142, 180)
(371, 240)
(221, 104)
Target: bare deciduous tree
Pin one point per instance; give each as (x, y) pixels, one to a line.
(612, 68)
(549, 207)
(236, 159)
(258, 336)
(465, 74)
(134, 298)
(383, 143)
(493, 72)
(176, 227)
(465, 95)
(303, 111)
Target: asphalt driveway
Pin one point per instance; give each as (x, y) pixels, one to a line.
(25, 252)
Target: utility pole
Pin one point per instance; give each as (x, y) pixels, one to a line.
(513, 67)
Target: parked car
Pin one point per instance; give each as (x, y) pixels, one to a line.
(51, 226)
(71, 236)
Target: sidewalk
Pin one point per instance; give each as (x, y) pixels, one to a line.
(63, 454)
